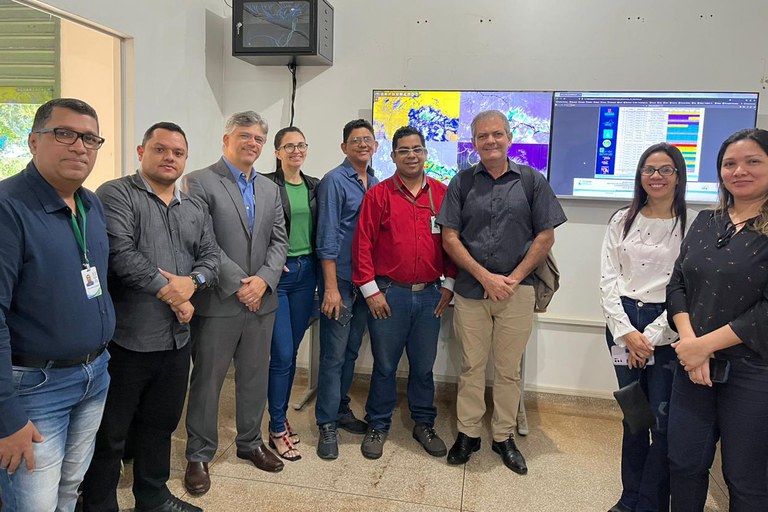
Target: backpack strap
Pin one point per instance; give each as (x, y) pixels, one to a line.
(526, 177)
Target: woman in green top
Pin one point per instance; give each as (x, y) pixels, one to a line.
(296, 290)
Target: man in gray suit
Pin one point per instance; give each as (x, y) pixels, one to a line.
(234, 320)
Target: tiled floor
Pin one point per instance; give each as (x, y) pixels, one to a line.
(572, 454)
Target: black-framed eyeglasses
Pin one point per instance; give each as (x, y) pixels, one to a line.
(418, 151)
(292, 148)
(664, 170)
(69, 137)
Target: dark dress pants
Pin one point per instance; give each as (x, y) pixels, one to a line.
(148, 390)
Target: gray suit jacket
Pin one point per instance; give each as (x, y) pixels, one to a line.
(242, 255)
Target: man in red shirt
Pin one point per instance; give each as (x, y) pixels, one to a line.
(397, 261)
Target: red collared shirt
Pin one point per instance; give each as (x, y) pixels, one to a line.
(394, 236)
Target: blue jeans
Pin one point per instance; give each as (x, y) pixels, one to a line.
(735, 412)
(339, 345)
(296, 296)
(413, 327)
(65, 405)
(644, 464)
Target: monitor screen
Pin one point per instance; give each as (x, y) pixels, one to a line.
(598, 137)
(276, 24)
(444, 117)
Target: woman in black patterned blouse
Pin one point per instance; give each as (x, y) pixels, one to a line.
(718, 301)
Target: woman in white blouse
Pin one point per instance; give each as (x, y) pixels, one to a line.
(639, 250)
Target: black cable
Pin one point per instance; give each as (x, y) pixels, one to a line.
(292, 69)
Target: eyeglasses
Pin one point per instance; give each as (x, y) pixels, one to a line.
(259, 141)
(69, 137)
(368, 141)
(292, 148)
(664, 170)
(418, 151)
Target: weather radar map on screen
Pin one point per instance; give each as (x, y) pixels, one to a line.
(444, 117)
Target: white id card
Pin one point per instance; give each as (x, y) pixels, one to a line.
(435, 225)
(620, 356)
(91, 282)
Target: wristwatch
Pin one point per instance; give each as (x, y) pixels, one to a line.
(198, 279)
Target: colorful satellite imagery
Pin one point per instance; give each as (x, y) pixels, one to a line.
(444, 117)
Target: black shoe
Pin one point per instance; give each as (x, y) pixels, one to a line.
(373, 443)
(348, 422)
(510, 455)
(463, 448)
(172, 504)
(429, 439)
(619, 507)
(328, 442)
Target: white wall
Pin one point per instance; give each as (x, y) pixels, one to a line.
(174, 66)
(184, 72)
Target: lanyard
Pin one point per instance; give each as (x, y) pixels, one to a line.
(412, 200)
(80, 232)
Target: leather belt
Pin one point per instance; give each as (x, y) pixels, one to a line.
(31, 362)
(414, 287)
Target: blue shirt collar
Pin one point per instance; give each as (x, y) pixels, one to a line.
(46, 194)
(236, 173)
(350, 170)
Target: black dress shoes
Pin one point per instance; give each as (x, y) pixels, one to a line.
(172, 504)
(351, 424)
(463, 448)
(197, 481)
(262, 458)
(510, 455)
(619, 507)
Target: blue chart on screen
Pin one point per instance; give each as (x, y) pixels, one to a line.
(444, 117)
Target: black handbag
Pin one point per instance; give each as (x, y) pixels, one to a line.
(634, 404)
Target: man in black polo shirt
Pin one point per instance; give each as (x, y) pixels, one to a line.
(162, 249)
(56, 316)
(497, 236)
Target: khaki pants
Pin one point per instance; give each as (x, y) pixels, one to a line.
(503, 326)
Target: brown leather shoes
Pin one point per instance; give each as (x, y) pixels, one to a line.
(197, 481)
(262, 458)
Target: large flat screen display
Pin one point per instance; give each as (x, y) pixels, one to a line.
(598, 137)
(444, 117)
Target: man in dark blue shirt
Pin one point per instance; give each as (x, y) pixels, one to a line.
(345, 313)
(56, 316)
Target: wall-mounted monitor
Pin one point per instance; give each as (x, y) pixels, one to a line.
(598, 137)
(444, 118)
(268, 32)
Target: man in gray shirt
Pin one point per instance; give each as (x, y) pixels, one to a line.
(498, 221)
(162, 250)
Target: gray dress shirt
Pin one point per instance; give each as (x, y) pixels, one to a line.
(145, 235)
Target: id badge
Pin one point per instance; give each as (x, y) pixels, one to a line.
(620, 356)
(91, 282)
(435, 225)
